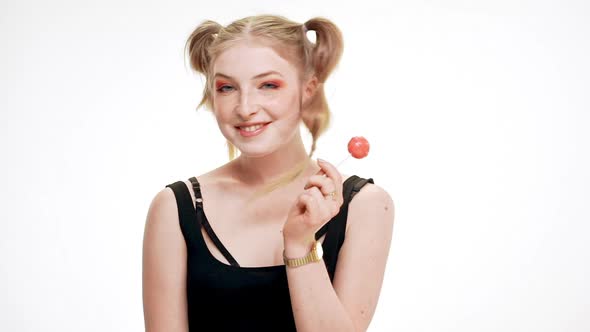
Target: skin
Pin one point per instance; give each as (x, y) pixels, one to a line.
(285, 219)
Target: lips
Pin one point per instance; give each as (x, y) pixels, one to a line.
(252, 129)
(250, 124)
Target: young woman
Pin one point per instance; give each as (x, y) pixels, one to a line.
(271, 240)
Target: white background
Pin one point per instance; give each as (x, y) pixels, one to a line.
(477, 113)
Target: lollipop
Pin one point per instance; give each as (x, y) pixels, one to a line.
(358, 147)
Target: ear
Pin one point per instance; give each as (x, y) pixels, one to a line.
(309, 90)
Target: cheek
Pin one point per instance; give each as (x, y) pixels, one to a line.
(222, 109)
(283, 104)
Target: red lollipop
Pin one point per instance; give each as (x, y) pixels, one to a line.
(358, 147)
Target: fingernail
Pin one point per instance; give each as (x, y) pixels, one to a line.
(321, 160)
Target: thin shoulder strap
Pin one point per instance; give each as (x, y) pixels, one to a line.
(186, 213)
(203, 221)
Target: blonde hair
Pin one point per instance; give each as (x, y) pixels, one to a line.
(289, 40)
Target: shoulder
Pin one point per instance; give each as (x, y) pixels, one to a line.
(163, 265)
(163, 202)
(162, 234)
(372, 193)
(162, 211)
(163, 241)
(372, 206)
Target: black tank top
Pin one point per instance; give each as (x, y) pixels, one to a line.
(224, 297)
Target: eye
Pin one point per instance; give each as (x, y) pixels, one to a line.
(221, 88)
(272, 85)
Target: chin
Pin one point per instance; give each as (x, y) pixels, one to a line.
(255, 152)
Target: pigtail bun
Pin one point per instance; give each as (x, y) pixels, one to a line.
(328, 48)
(198, 45)
(325, 55)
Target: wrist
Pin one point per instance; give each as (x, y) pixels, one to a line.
(296, 249)
(300, 255)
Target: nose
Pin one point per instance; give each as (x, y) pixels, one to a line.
(246, 108)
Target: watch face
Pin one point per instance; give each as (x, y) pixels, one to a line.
(319, 249)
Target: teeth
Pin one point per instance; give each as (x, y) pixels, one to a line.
(251, 128)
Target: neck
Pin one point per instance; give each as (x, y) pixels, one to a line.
(260, 171)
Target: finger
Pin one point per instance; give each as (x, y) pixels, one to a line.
(301, 204)
(312, 207)
(330, 171)
(325, 184)
(316, 193)
(321, 172)
(327, 188)
(324, 206)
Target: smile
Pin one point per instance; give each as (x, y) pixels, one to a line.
(252, 130)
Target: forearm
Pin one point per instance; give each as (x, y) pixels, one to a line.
(316, 306)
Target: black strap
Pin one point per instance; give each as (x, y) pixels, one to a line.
(358, 184)
(336, 228)
(186, 213)
(352, 186)
(203, 221)
(356, 187)
(345, 194)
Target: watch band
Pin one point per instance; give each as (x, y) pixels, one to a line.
(314, 255)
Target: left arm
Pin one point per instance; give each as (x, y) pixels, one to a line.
(363, 256)
(348, 304)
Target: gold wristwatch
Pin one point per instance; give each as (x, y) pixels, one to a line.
(314, 255)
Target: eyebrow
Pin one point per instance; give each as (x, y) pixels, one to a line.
(255, 77)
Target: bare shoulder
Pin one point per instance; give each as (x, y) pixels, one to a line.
(162, 227)
(163, 204)
(164, 266)
(162, 218)
(372, 196)
(372, 200)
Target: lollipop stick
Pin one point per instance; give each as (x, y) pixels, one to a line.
(321, 171)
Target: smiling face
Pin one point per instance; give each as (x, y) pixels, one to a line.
(253, 85)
